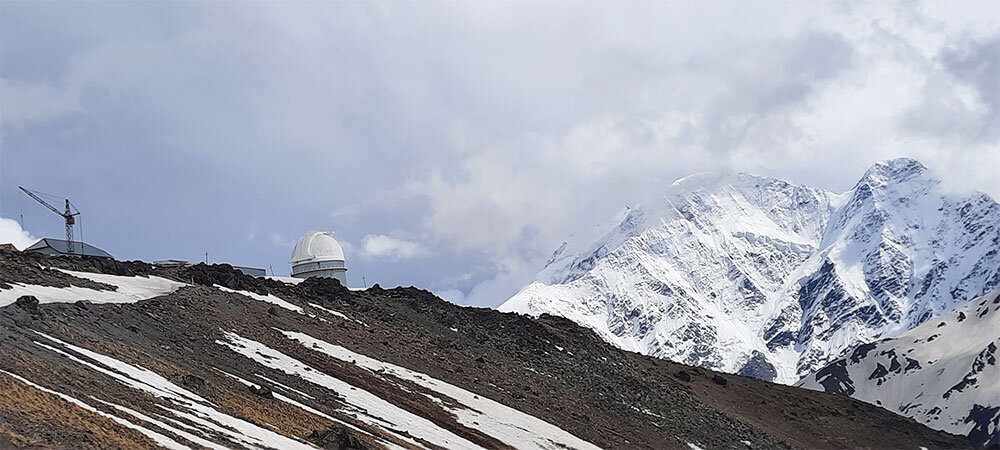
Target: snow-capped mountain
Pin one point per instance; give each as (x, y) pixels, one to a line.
(943, 373)
(754, 275)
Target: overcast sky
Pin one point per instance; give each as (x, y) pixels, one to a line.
(454, 145)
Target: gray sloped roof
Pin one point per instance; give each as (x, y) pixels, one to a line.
(61, 247)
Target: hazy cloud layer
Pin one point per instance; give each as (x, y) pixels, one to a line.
(453, 146)
(378, 246)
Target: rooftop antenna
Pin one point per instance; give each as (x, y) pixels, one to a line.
(68, 215)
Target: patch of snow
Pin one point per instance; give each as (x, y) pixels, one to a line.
(294, 403)
(509, 425)
(269, 298)
(184, 434)
(156, 437)
(202, 412)
(129, 289)
(336, 313)
(303, 394)
(367, 407)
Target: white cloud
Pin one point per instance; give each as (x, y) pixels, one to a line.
(492, 130)
(829, 89)
(11, 233)
(382, 246)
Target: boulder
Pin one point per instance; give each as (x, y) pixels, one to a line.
(336, 438)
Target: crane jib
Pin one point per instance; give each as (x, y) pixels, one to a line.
(68, 216)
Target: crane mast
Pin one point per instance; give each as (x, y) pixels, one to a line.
(68, 215)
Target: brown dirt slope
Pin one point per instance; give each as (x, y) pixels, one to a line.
(548, 367)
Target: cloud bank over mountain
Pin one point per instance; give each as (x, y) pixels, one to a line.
(482, 133)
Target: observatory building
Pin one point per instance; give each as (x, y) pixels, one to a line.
(318, 254)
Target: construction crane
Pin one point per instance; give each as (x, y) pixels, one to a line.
(68, 215)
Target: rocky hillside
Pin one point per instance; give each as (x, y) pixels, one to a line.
(107, 354)
(943, 373)
(758, 276)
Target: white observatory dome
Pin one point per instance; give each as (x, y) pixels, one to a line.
(317, 246)
(318, 254)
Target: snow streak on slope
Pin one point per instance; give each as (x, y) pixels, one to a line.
(188, 406)
(514, 428)
(129, 289)
(943, 373)
(160, 439)
(308, 409)
(368, 407)
(269, 298)
(757, 276)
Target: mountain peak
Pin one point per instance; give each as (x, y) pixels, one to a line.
(893, 171)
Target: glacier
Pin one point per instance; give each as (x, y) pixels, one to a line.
(762, 277)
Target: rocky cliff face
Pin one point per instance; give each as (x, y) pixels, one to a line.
(943, 373)
(105, 354)
(756, 276)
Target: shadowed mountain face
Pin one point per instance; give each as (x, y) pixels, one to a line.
(107, 354)
(757, 276)
(943, 373)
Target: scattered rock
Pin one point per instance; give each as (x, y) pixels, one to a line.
(336, 438)
(28, 303)
(262, 391)
(683, 376)
(193, 381)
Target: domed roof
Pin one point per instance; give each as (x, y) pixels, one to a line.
(317, 246)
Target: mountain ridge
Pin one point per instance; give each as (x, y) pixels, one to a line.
(943, 373)
(110, 354)
(750, 274)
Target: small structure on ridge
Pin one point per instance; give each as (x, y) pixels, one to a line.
(318, 254)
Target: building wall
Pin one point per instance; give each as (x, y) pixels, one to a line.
(44, 251)
(321, 269)
(252, 271)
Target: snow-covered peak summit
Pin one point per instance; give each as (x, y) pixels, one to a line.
(732, 204)
(756, 275)
(893, 171)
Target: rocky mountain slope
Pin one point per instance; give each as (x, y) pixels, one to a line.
(943, 373)
(757, 276)
(108, 354)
